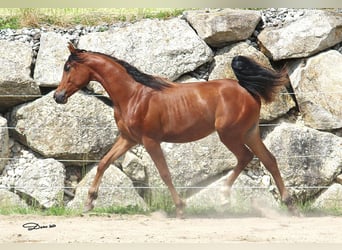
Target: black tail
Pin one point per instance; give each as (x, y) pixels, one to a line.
(257, 79)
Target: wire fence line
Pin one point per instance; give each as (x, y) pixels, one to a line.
(100, 127)
(97, 160)
(281, 93)
(213, 187)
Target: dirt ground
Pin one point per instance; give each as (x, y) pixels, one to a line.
(157, 228)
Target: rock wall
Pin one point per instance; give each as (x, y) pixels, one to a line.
(48, 152)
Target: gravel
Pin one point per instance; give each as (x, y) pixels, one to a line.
(271, 17)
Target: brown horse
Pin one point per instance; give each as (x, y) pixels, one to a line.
(149, 110)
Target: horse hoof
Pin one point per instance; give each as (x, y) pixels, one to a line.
(88, 208)
(180, 210)
(293, 210)
(225, 196)
(224, 202)
(180, 215)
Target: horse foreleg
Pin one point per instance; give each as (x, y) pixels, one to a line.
(119, 148)
(156, 153)
(243, 156)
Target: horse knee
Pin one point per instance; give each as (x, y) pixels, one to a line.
(243, 156)
(247, 157)
(102, 166)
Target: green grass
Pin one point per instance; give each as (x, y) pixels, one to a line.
(62, 211)
(119, 210)
(307, 208)
(161, 201)
(57, 211)
(168, 207)
(16, 18)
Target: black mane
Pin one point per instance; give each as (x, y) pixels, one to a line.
(141, 77)
(145, 79)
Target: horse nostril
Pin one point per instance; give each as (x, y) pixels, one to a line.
(60, 97)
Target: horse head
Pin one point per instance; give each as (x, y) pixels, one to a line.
(76, 75)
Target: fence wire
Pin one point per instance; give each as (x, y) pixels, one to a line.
(281, 93)
(166, 188)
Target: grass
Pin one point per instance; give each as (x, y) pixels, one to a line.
(119, 210)
(16, 18)
(160, 201)
(57, 211)
(164, 203)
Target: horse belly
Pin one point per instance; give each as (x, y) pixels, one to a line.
(185, 131)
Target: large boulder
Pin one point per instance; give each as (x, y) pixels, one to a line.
(221, 26)
(4, 140)
(40, 182)
(316, 31)
(308, 159)
(10, 200)
(16, 85)
(316, 82)
(222, 69)
(133, 166)
(116, 190)
(168, 48)
(43, 181)
(246, 195)
(330, 199)
(52, 54)
(80, 131)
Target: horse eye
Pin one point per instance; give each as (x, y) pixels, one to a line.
(67, 67)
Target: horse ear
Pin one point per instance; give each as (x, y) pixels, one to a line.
(71, 48)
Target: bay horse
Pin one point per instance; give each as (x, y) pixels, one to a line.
(149, 110)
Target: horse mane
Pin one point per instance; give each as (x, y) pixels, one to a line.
(151, 81)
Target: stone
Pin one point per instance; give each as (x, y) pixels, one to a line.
(52, 54)
(80, 131)
(16, 85)
(316, 82)
(316, 31)
(4, 143)
(167, 48)
(244, 196)
(308, 159)
(116, 190)
(331, 199)
(220, 26)
(42, 182)
(10, 200)
(339, 179)
(134, 169)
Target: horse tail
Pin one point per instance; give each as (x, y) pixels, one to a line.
(257, 79)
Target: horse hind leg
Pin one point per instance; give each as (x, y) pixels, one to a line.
(257, 146)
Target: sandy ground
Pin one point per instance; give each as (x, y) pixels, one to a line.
(157, 228)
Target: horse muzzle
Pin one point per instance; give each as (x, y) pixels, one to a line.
(60, 97)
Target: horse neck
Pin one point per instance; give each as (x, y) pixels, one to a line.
(114, 78)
